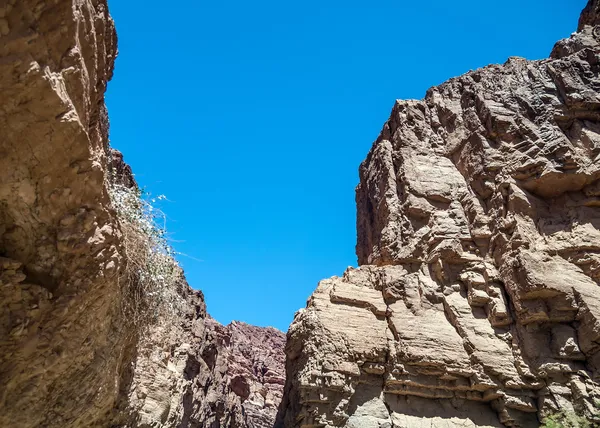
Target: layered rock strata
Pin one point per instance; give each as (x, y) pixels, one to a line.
(477, 302)
(69, 354)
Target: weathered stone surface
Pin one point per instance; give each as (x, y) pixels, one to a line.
(60, 342)
(200, 373)
(120, 172)
(69, 356)
(253, 362)
(477, 300)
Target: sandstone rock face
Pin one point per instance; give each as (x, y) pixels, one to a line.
(69, 355)
(477, 302)
(59, 243)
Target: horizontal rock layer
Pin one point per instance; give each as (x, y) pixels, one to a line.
(477, 302)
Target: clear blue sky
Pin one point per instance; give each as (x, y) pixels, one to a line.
(253, 117)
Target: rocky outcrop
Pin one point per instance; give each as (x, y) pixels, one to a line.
(119, 172)
(61, 255)
(477, 302)
(252, 361)
(70, 353)
(193, 372)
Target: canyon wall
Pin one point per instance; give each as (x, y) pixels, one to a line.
(71, 354)
(190, 371)
(477, 299)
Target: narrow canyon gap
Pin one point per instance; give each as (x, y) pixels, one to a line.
(476, 301)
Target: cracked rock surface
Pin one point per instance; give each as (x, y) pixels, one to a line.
(195, 372)
(69, 357)
(477, 299)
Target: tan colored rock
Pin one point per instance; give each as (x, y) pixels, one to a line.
(479, 226)
(61, 337)
(70, 354)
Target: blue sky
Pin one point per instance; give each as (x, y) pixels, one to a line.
(253, 117)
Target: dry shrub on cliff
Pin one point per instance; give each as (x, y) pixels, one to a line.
(153, 275)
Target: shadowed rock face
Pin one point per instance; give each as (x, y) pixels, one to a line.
(194, 372)
(477, 302)
(253, 361)
(69, 357)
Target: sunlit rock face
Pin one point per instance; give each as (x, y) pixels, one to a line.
(60, 254)
(477, 299)
(69, 354)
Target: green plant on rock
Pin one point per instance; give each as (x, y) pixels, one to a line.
(571, 419)
(566, 419)
(152, 275)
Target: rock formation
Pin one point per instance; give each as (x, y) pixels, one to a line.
(70, 356)
(59, 244)
(477, 299)
(203, 374)
(253, 361)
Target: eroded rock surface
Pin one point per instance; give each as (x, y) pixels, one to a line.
(69, 354)
(59, 243)
(190, 371)
(477, 302)
(253, 361)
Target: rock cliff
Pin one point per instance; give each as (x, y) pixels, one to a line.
(203, 374)
(71, 353)
(477, 299)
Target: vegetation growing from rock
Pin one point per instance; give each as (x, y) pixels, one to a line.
(566, 419)
(572, 419)
(98, 325)
(152, 273)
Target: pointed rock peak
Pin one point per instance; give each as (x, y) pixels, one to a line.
(590, 15)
